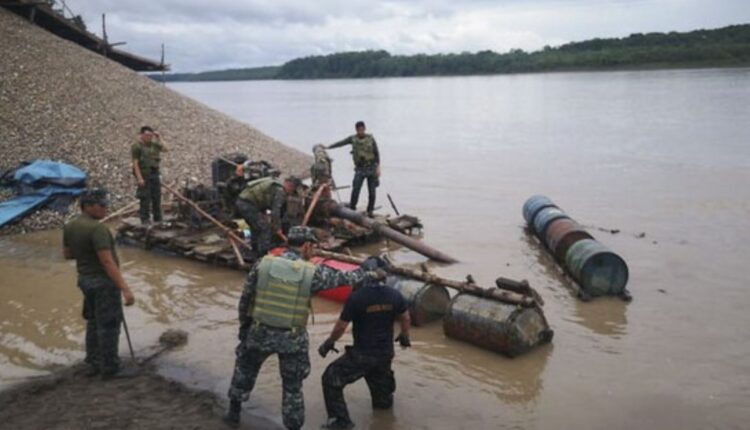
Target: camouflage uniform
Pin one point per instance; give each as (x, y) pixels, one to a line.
(366, 161)
(253, 211)
(321, 170)
(258, 342)
(149, 195)
(102, 303)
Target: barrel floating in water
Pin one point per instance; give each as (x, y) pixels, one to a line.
(533, 205)
(598, 270)
(508, 329)
(561, 234)
(544, 218)
(426, 302)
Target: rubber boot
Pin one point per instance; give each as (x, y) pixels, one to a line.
(232, 417)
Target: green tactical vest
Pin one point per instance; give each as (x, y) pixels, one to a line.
(261, 191)
(150, 157)
(283, 289)
(363, 149)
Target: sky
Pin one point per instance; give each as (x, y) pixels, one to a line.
(204, 35)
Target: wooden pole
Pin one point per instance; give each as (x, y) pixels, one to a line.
(120, 211)
(313, 204)
(429, 278)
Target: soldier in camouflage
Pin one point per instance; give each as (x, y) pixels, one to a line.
(366, 165)
(258, 197)
(90, 243)
(146, 156)
(273, 313)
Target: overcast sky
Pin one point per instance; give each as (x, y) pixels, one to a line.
(217, 34)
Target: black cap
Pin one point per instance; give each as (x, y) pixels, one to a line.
(294, 180)
(94, 196)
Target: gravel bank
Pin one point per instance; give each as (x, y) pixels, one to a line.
(62, 102)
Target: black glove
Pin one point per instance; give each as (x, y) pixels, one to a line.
(403, 339)
(326, 347)
(372, 264)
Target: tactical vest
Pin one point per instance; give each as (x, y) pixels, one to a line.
(363, 149)
(261, 191)
(150, 157)
(283, 289)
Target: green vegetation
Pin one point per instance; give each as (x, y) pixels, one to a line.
(724, 47)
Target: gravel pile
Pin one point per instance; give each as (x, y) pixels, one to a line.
(62, 102)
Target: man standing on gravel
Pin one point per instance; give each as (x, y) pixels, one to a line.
(146, 155)
(90, 243)
(273, 312)
(366, 165)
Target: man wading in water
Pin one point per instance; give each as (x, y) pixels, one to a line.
(90, 243)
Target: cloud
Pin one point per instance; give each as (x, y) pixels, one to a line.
(219, 34)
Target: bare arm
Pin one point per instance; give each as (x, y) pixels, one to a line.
(338, 330)
(160, 142)
(137, 172)
(67, 253)
(110, 267)
(405, 321)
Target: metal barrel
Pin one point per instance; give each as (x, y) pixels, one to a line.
(598, 270)
(426, 302)
(507, 329)
(544, 218)
(533, 205)
(561, 234)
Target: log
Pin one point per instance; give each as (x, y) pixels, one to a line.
(387, 232)
(313, 204)
(429, 278)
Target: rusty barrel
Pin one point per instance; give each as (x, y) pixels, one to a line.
(533, 205)
(426, 302)
(561, 234)
(599, 271)
(508, 329)
(544, 218)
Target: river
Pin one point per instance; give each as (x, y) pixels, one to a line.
(665, 153)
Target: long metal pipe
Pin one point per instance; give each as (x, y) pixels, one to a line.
(385, 231)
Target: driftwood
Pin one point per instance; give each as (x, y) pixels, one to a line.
(504, 296)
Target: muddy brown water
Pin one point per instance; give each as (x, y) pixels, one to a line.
(661, 153)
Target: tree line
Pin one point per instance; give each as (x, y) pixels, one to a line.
(724, 47)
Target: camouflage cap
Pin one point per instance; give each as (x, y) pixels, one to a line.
(93, 196)
(299, 235)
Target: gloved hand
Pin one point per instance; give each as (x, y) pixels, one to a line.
(403, 340)
(326, 347)
(373, 263)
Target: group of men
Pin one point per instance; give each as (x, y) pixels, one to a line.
(276, 299)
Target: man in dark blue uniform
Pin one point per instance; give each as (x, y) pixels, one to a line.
(372, 309)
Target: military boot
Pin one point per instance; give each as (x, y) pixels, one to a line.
(232, 417)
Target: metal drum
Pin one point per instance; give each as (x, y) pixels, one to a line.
(508, 329)
(543, 219)
(599, 271)
(426, 302)
(533, 205)
(561, 234)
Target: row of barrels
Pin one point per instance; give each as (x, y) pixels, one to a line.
(508, 329)
(596, 269)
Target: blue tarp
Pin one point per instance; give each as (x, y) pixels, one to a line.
(37, 184)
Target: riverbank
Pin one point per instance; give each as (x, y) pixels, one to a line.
(62, 102)
(66, 399)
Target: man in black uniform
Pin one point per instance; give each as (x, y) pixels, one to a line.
(372, 308)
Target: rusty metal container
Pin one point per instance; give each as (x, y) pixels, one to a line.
(599, 271)
(533, 205)
(544, 218)
(426, 302)
(561, 234)
(507, 329)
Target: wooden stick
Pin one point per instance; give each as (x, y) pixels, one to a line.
(464, 287)
(208, 216)
(120, 211)
(237, 253)
(313, 203)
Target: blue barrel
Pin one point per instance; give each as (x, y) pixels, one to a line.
(533, 205)
(599, 271)
(544, 218)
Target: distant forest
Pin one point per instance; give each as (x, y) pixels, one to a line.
(724, 47)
